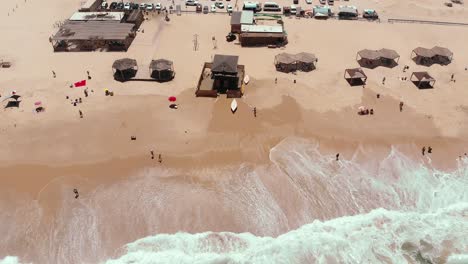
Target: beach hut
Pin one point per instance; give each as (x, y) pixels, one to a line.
(374, 58)
(124, 69)
(224, 73)
(427, 57)
(305, 61)
(162, 70)
(422, 80)
(355, 76)
(285, 62)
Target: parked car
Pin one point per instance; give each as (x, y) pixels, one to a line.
(104, 5)
(308, 2)
(191, 2)
(134, 6)
(149, 7)
(120, 6)
(213, 8)
(113, 5)
(331, 2)
(205, 10)
(293, 10)
(142, 6)
(199, 8)
(323, 2)
(158, 6)
(229, 8)
(127, 6)
(219, 5)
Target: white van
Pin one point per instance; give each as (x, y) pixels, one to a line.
(271, 6)
(293, 10)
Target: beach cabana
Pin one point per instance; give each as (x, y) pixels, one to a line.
(422, 80)
(374, 58)
(305, 61)
(355, 76)
(162, 70)
(427, 57)
(285, 62)
(124, 69)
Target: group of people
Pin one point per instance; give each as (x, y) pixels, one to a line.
(159, 156)
(423, 150)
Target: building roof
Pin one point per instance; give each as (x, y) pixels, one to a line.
(247, 17)
(124, 64)
(322, 10)
(88, 4)
(225, 63)
(356, 73)
(161, 65)
(236, 17)
(423, 76)
(97, 16)
(85, 30)
(261, 29)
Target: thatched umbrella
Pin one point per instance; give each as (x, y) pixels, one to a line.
(126, 67)
(162, 69)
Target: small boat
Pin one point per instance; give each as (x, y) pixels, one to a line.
(246, 79)
(234, 106)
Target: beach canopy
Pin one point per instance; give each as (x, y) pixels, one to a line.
(422, 80)
(13, 96)
(374, 58)
(305, 57)
(162, 70)
(286, 62)
(161, 64)
(285, 58)
(124, 64)
(355, 76)
(428, 57)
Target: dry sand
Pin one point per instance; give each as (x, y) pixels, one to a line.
(39, 152)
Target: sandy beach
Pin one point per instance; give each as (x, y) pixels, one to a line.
(210, 155)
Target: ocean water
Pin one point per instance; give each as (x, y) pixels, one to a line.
(303, 207)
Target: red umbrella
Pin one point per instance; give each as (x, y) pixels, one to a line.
(172, 99)
(38, 103)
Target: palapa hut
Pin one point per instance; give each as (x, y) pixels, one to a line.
(285, 62)
(305, 61)
(374, 58)
(224, 73)
(422, 80)
(124, 69)
(162, 70)
(427, 57)
(355, 76)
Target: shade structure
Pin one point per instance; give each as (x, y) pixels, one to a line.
(427, 57)
(374, 58)
(124, 64)
(303, 61)
(124, 69)
(423, 80)
(162, 70)
(172, 99)
(355, 76)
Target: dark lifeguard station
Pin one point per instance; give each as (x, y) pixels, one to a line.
(355, 76)
(124, 69)
(223, 75)
(422, 80)
(162, 70)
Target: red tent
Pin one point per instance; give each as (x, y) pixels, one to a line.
(80, 83)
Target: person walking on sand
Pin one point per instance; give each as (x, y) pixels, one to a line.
(429, 150)
(423, 150)
(81, 113)
(75, 191)
(152, 154)
(276, 80)
(86, 92)
(255, 111)
(383, 80)
(337, 156)
(53, 73)
(160, 158)
(401, 106)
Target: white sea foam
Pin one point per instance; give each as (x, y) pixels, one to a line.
(304, 207)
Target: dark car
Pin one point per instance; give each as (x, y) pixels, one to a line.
(113, 5)
(199, 8)
(134, 6)
(205, 10)
(120, 6)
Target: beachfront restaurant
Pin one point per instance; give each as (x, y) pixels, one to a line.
(262, 35)
(222, 76)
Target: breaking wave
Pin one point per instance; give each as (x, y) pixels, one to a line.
(303, 207)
